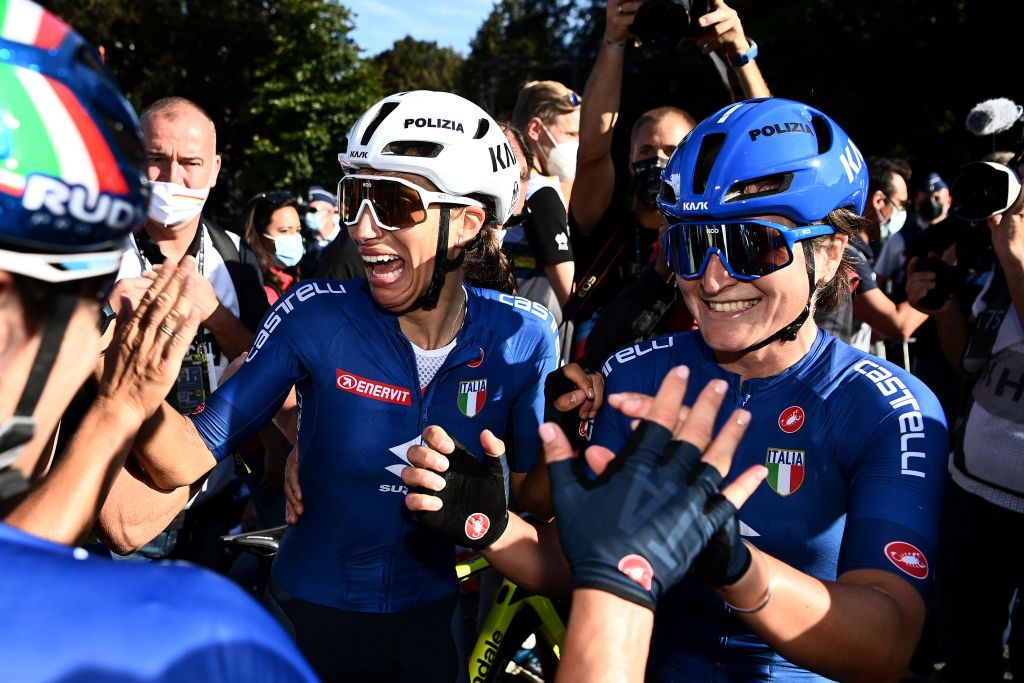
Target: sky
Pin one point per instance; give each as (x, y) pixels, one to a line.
(449, 23)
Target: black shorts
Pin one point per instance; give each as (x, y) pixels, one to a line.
(423, 644)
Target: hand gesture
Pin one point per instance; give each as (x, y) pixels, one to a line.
(637, 529)
(722, 30)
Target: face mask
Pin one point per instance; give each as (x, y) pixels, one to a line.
(895, 223)
(561, 160)
(171, 204)
(931, 210)
(500, 235)
(288, 249)
(337, 221)
(646, 180)
(311, 221)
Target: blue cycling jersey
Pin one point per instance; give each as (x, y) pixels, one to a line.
(856, 451)
(356, 546)
(69, 616)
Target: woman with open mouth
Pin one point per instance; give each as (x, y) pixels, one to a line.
(427, 340)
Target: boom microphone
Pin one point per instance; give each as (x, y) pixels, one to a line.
(993, 116)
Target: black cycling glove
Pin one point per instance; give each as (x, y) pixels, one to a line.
(576, 429)
(474, 500)
(725, 559)
(636, 529)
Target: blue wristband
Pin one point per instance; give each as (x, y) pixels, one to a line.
(737, 60)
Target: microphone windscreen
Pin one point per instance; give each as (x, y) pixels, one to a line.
(993, 116)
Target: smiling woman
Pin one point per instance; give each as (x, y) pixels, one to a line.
(424, 342)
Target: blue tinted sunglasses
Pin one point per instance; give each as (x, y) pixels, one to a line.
(748, 249)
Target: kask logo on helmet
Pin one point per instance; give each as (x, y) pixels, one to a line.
(60, 199)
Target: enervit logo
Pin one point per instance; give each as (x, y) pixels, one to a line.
(908, 558)
(791, 419)
(638, 569)
(378, 391)
(477, 525)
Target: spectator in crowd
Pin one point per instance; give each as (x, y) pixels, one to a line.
(613, 244)
(337, 258)
(67, 615)
(182, 165)
(321, 225)
(981, 547)
(548, 115)
(870, 311)
(272, 226)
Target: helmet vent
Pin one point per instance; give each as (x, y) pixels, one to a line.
(382, 114)
(412, 148)
(759, 187)
(481, 129)
(667, 194)
(710, 146)
(822, 132)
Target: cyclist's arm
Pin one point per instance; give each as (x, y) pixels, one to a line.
(531, 557)
(595, 172)
(530, 488)
(607, 639)
(865, 625)
(137, 510)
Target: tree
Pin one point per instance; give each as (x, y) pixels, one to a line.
(412, 64)
(280, 78)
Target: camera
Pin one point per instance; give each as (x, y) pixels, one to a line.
(984, 189)
(665, 23)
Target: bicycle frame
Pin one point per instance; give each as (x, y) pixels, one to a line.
(509, 601)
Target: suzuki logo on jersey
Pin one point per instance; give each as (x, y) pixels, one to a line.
(786, 470)
(378, 391)
(477, 525)
(791, 419)
(908, 558)
(472, 397)
(401, 451)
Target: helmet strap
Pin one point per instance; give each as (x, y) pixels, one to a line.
(442, 264)
(789, 332)
(21, 427)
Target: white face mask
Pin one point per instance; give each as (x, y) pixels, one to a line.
(894, 224)
(561, 161)
(171, 204)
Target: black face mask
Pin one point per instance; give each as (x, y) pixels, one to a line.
(931, 209)
(646, 181)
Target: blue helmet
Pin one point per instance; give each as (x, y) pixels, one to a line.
(72, 167)
(760, 157)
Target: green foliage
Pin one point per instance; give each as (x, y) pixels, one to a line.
(281, 79)
(412, 64)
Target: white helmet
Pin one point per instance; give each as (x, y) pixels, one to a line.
(442, 137)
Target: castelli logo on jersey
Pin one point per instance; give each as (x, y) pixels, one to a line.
(908, 558)
(378, 391)
(586, 427)
(477, 525)
(479, 361)
(638, 569)
(791, 419)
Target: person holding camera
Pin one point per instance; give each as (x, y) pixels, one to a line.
(613, 244)
(981, 544)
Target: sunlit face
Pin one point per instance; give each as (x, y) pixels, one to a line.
(658, 138)
(733, 314)
(284, 221)
(181, 149)
(564, 128)
(400, 264)
(524, 172)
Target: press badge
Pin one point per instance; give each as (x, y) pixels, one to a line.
(198, 377)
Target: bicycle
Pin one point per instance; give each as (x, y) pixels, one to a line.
(513, 616)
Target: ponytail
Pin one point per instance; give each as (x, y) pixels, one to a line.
(486, 265)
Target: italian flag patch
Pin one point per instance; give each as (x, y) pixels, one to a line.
(786, 470)
(472, 396)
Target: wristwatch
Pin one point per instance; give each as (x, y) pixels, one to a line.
(740, 59)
